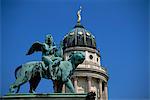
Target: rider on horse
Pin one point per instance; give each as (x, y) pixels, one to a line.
(48, 50)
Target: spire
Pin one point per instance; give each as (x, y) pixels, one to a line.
(79, 15)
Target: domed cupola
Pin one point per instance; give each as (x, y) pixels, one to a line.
(79, 36)
(90, 75)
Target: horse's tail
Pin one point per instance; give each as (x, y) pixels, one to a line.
(17, 70)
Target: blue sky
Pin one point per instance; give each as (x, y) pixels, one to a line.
(120, 28)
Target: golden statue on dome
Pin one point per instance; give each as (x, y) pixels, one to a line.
(79, 15)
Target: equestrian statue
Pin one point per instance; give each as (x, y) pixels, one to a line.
(52, 66)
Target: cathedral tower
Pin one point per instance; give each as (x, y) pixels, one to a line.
(90, 75)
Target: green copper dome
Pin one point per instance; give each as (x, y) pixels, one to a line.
(79, 36)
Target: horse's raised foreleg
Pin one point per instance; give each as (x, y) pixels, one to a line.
(69, 85)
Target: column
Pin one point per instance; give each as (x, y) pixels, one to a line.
(100, 89)
(65, 56)
(63, 89)
(75, 84)
(106, 91)
(89, 83)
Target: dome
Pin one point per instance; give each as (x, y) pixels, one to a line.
(79, 36)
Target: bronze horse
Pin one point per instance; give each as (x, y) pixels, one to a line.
(33, 72)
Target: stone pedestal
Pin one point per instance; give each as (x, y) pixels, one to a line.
(52, 96)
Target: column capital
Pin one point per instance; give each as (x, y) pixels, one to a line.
(89, 77)
(74, 77)
(100, 80)
(106, 84)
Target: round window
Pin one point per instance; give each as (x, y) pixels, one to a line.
(91, 57)
(97, 59)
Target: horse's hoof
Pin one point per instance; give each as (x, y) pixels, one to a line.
(32, 91)
(11, 90)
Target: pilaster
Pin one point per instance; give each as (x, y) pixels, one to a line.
(75, 84)
(100, 89)
(106, 91)
(89, 83)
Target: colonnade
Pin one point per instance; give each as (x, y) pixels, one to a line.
(102, 87)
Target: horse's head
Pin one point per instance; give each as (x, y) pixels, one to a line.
(77, 57)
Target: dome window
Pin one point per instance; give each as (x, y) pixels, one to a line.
(97, 59)
(87, 33)
(72, 33)
(80, 33)
(80, 40)
(91, 57)
(93, 36)
(65, 36)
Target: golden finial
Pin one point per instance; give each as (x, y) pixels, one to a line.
(79, 14)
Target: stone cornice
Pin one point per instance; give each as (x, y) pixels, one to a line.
(90, 70)
(80, 74)
(77, 48)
